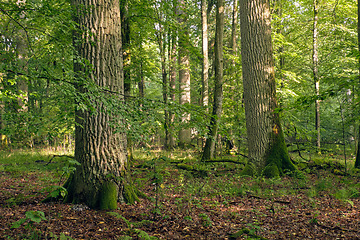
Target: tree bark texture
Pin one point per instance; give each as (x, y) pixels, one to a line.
(209, 148)
(99, 180)
(184, 75)
(266, 144)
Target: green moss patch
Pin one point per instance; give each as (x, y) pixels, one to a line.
(108, 196)
(271, 171)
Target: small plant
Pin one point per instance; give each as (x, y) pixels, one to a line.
(188, 218)
(314, 220)
(62, 236)
(253, 228)
(157, 180)
(206, 220)
(56, 192)
(31, 217)
(69, 168)
(132, 226)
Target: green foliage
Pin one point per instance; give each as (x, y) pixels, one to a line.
(62, 236)
(48, 54)
(56, 193)
(31, 217)
(130, 193)
(206, 221)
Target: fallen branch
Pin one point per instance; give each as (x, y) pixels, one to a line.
(54, 156)
(335, 228)
(277, 201)
(225, 160)
(247, 231)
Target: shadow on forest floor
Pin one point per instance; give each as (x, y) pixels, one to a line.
(183, 200)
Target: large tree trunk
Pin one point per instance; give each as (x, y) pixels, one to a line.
(315, 59)
(209, 148)
(99, 180)
(266, 144)
(184, 76)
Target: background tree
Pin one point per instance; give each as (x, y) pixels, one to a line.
(357, 160)
(205, 53)
(184, 74)
(315, 61)
(266, 144)
(209, 148)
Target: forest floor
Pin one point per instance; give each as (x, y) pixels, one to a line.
(185, 200)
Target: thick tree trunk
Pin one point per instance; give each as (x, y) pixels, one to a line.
(266, 144)
(99, 180)
(315, 59)
(209, 148)
(184, 76)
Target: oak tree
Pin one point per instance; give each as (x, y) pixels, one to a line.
(99, 179)
(266, 145)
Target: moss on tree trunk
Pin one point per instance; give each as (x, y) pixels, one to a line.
(277, 158)
(103, 195)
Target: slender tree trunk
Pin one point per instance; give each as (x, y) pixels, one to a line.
(162, 47)
(99, 180)
(266, 143)
(357, 161)
(316, 77)
(234, 26)
(209, 148)
(233, 72)
(21, 48)
(205, 52)
(184, 76)
(141, 83)
(172, 87)
(125, 36)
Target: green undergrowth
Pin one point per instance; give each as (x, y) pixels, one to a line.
(197, 179)
(192, 186)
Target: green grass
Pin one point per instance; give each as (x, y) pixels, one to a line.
(30, 160)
